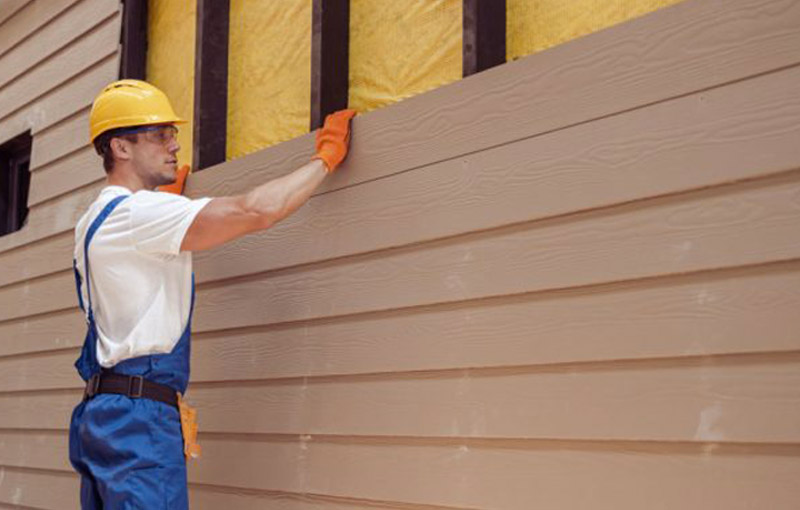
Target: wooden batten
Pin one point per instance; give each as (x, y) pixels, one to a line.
(484, 43)
(329, 58)
(133, 62)
(211, 83)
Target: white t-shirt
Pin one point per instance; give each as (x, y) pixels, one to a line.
(141, 282)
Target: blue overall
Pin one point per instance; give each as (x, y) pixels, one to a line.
(128, 451)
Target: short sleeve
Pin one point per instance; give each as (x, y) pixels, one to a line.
(159, 220)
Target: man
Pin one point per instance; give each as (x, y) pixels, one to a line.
(133, 270)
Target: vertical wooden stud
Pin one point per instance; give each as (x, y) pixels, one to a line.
(329, 58)
(484, 43)
(211, 83)
(133, 61)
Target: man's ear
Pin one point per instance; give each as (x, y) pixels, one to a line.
(120, 149)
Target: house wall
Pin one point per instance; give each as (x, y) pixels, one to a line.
(571, 281)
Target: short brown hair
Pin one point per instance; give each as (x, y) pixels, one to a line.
(102, 144)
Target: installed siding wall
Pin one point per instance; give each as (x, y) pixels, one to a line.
(568, 282)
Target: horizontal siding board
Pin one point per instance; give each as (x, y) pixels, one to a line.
(28, 20)
(45, 294)
(736, 132)
(60, 177)
(710, 402)
(61, 139)
(744, 312)
(42, 333)
(35, 449)
(60, 67)
(657, 150)
(640, 62)
(751, 224)
(40, 490)
(203, 498)
(719, 400)
(52, 217)
(743, 224)
(60, 103)
(68, 26)
(8, 8)
(465, 475)
(46, 256)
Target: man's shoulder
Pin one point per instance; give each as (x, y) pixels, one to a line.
(157, 197)
(104, 197)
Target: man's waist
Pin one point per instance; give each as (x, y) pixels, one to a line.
(132, 386)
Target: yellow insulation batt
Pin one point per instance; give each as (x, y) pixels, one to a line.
(269, 73)
(170, 60)
(399, 48)
(535, 25)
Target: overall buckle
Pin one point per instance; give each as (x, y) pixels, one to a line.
(135, 386)
(92, 386)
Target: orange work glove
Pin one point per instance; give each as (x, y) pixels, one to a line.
(180, 181)
(333, 139)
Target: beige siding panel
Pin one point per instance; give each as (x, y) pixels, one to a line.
(46, 490)
(715, 400)
(35, 449)
(736, 132)
(38, 411)
(59, 140)
(728, 313)
(37, 259)
(61, 102)
(52, 217)
(544, 476)
(8, 8)
(35, 14)
(465, 473)
(75, 58)
(742, 224)
(646, 60)
(70, 25)
(752, 399)
(745, 224)
(46, 294)
(62, 176)
(651, 151)
(214, 498)
(43, 333)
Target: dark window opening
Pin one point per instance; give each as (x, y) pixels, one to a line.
(15, 179)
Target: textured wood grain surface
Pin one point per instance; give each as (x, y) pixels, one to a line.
(61, 66)
(728, 312)
(27, 20)
(59, 104)
(498, 474)
(68, 26)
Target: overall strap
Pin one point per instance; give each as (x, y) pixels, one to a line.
(88, 239)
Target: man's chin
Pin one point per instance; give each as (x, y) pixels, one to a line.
(164, 180)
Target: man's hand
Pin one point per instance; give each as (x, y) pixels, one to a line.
(180, 181)
(333, 139)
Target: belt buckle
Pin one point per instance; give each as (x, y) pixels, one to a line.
(139, 387)
(92, 385)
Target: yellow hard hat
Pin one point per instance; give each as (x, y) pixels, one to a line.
(129, 103)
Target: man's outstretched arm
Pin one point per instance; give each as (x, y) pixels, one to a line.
(227, 218)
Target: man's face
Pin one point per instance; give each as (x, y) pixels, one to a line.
(154, 155)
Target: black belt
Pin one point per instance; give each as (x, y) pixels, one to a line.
(133, 386)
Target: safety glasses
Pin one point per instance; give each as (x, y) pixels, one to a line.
(162, 134)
